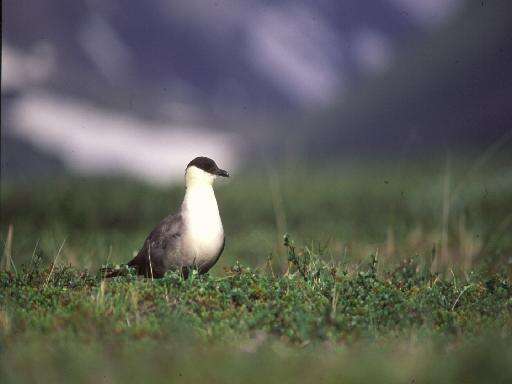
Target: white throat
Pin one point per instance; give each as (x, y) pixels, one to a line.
(200, 203)
(203, 234)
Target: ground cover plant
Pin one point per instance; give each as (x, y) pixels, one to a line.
(383, 275)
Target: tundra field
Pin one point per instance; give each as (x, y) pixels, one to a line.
(356, 273)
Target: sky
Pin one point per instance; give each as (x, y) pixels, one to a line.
(137, 88)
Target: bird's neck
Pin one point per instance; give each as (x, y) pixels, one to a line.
(199, 201)
(203, 234)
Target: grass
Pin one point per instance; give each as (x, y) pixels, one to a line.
(389, 274)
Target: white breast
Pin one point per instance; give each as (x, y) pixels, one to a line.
(203, 234)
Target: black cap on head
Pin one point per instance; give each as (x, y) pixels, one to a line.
(207, 165)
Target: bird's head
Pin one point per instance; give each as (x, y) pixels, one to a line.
(203, 170)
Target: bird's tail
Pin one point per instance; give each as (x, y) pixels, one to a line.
(108, 271)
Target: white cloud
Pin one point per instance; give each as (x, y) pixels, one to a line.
(22, 69)
(428, 12)
(96, 141)
(295, 48)
(372, 51)
(218, 17)
(105, 48)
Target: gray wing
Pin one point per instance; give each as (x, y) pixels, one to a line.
(160, 247)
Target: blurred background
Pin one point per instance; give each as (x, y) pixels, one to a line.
(378, 125)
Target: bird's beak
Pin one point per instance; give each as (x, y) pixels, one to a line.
(222, 173)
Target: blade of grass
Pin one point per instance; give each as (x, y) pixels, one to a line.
(8, 261)
(53, 265)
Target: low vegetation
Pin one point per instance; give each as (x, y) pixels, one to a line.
(369, 286)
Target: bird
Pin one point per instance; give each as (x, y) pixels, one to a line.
(193, 238)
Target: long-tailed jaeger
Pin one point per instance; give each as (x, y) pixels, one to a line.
(193, 238)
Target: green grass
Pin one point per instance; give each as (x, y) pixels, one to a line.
(397, 273)
(317, 320)
(352, 210)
